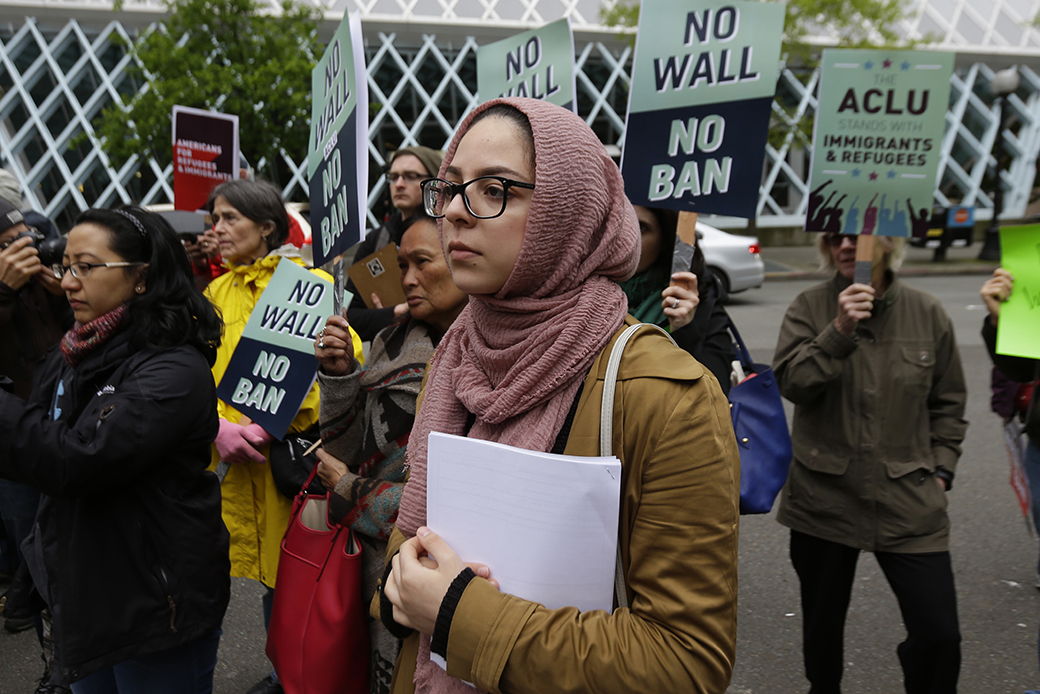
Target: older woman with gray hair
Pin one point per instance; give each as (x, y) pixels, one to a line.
(879, 394)
(251, 229)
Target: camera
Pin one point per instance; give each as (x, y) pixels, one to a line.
(189, 236)
(50, 251)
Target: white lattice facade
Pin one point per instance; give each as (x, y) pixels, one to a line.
(59, 70)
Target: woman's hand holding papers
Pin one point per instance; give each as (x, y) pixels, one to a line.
(423, 570)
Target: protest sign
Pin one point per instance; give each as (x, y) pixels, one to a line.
(337, 163)
(1018, 332)
(273, 366)
(877, 141)
(538, 64)
(205, 154)
(703, 81)
(379, 274)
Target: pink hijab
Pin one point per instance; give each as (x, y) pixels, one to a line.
(516, 360)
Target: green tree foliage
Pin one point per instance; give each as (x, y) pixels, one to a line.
(221, 55)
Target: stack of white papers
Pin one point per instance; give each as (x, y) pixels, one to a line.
(546, 525)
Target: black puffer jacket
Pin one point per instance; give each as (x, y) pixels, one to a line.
(129, 549)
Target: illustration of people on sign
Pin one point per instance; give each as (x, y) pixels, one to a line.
(822, 215)
(899, 219)
(893, 221)
(852, 218)
(831, 216)
(870, 217)
(816, 200)
(919, 222)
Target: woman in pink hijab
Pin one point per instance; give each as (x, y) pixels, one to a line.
(536, 228)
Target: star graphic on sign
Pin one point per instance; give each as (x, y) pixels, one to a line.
(887, 64)
(855, 173)
(891, 174)
(869, 64)
(873, 175)
(905, 65)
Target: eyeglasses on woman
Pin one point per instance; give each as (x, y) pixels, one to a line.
(81, 271)
(488, 200)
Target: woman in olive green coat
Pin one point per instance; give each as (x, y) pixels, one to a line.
(879, 397)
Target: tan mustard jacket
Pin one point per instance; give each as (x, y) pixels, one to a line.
(679, 523)
(875, 415)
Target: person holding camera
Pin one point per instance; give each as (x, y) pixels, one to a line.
(33, 310)
(34, 315)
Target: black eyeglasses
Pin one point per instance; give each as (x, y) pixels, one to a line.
(491, 193)
(408, 176)
(81, 271)
(835, 240)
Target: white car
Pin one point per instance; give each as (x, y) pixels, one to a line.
(735, 260)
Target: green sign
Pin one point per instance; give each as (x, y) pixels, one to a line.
(273, 366)
(1018, 332)
(705, 52)
(538, 64)
(337, 161)
(877, 141)
(703, 80)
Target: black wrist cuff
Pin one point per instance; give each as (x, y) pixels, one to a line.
(439, 642)
(386, 609)
(946, 476)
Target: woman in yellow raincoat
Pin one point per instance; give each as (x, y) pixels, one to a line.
(251, 226)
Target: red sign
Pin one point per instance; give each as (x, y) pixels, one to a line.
(961, 215)
(205, 154)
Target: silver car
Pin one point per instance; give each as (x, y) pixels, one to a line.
(735, 260)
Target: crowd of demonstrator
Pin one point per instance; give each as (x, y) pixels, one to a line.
(131, 494)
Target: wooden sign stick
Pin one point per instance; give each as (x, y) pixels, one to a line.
(867, 271)
(864, 259)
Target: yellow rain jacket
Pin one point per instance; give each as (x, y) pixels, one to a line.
(255, 512)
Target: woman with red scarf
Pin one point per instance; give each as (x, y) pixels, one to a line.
(536, 228)
(128, 550)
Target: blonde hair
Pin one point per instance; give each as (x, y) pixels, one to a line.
(893, 254)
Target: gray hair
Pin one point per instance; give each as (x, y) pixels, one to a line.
(894, 250)
(259, 201)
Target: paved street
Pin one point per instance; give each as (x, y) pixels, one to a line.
(994, 559)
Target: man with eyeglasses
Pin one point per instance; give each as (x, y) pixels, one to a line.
(34, 316)
(408, 167)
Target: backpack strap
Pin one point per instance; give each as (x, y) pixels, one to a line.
(606, 429)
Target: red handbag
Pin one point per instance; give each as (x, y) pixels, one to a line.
(318, 636)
